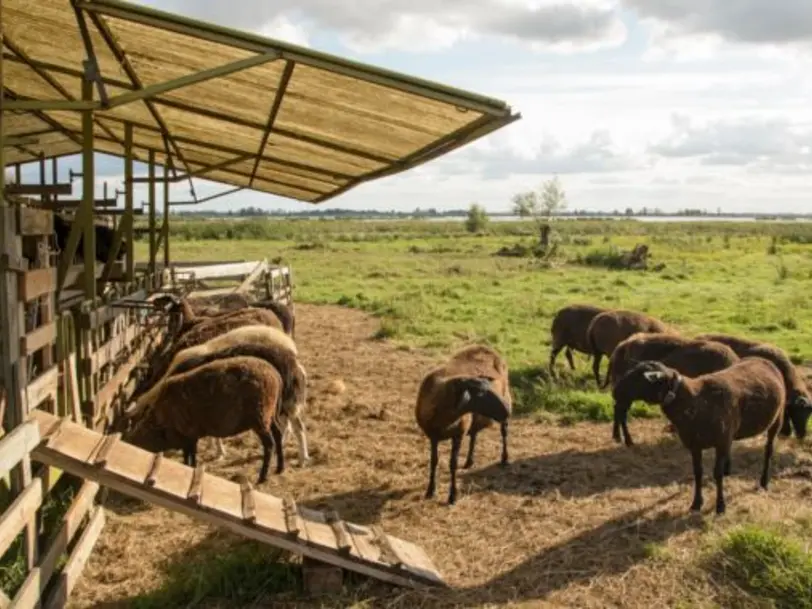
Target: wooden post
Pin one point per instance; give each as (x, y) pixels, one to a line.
(152, 237)
(165, 226)
(88, 188)
(128, 198)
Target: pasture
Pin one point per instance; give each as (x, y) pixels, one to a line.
(576, 520)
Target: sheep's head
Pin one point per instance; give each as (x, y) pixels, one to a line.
(476, 395)
(799, 409)
(649, 381)
(148, 433)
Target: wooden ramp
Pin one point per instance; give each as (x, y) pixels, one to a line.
(238, 507)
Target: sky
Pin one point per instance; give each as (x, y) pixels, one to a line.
(667, 104)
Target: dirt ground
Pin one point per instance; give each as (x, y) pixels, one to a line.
(575, 521)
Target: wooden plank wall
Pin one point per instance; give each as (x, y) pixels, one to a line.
(75, 362)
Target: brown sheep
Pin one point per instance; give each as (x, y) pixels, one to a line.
(568, 330)
(608, 329)
(798, 397)
(219, 399)
(713, 410)
(464, 396)
(264, 342)
(230, 303)
(201, 333)
(689, 357)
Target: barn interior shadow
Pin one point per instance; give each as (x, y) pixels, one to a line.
(579, 474)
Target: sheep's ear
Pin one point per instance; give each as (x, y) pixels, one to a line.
(652, 376)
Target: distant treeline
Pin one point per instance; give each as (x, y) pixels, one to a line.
(419, 213)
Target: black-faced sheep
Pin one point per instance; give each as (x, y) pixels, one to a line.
(103, 237)
(608, 329)
(264, 342)
(713, 410)
(689, 357)
(218, 399)
(568, 331)
(798, 397)
(464, 396)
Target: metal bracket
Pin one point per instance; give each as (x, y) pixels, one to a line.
(72, 174)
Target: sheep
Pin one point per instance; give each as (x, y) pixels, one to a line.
(229, 303)
(218, 399)
(798, 396)
(103, 237)
(713, 410)
(689, 357)
(265, 342)
(463, 396)
(568, 330)
(608, 329)
(203, 332)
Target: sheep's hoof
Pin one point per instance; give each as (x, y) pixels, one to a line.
(468, 465)
(452, 500)
(429, 494)
(504, 463)
(696, 506)
(304, 462)
(629, 441)
(720, 509)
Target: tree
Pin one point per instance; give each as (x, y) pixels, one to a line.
(525, 204)
(477, 218)
(553, 199)
(542, 205)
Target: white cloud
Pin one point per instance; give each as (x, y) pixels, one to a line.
(282, 28)
(426, 25)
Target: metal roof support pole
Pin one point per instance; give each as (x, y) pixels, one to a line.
(91, 54)
(165, 227)
(85, 220)
(44, 198)
(128, 199)
(152, 243)
(275, 104)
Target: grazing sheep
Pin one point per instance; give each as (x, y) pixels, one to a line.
(463, 396)
(218, 399)
(264, 342)
(568, 330)
(713, 410)
(798, 397)
(182, 317)
(608, 329)
(201, 333)
(285, 313)
(689, 357)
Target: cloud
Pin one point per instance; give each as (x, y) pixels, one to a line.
(426, 25)
(696, 29)
(499, 159)
(765, 143)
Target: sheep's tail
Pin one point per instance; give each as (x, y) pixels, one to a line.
(608, 374)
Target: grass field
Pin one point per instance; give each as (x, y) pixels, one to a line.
(433, 286)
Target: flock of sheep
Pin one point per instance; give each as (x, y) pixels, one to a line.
(228, 371)
(220, 374)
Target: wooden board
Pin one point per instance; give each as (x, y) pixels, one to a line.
(208, 498)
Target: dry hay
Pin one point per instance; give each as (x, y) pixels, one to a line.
(576, 521)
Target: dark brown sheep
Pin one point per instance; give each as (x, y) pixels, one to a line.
(689, 357)
(464, 396)
(219, 399)
(201, 333)
(568, 331)
(713, 410)
(799, 399)
(264, 342)
(608, 329)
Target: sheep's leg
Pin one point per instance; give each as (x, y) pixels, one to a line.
(456, 443)
(434, 458)
(277, 442)
(722, 457)
(728, 465)
(554, 351)
(469, 460)
(298, 426)
(267, 441)
(568, 354)
(696, 457)
(596, 367)
(503, 428)
(768, 455)
(786, 425)
(190, 454)
(221, 449)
